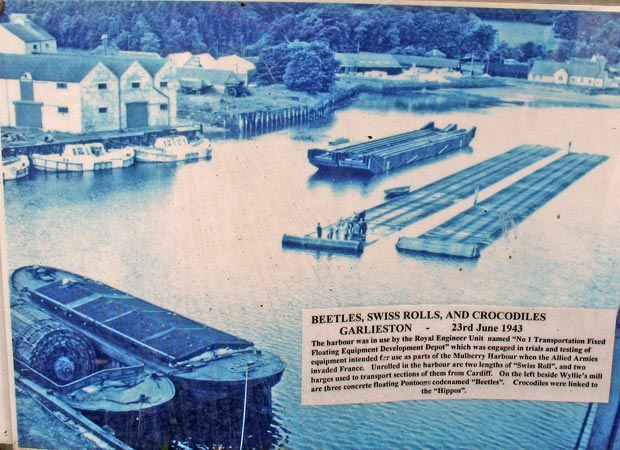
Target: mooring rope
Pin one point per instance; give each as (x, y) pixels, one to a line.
(245, 403)
(583, 427)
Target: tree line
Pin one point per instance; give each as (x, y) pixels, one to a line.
(283, 34)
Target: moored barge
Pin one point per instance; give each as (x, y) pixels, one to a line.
(214, 373)
(80, 379)
(389, 153)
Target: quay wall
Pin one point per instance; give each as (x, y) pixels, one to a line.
(258, 122)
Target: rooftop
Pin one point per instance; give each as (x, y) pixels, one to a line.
(69, 68)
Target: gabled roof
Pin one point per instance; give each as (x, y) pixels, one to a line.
(434, 53)
(69, 68)
(205, 60)
(45, 67)
(211, 75)
(574, 68)
(28, 32)
(232, 62)
(423, 61)
(367, 59)
(546, 68)
(180, 58)
(585, 69)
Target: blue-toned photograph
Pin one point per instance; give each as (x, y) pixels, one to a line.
(182, 179)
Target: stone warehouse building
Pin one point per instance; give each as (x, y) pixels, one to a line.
(23, 36)
(84, 93)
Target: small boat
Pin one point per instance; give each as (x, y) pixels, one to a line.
(397, 191)
(206, 365)
(15, 167)
(83, 378)
(339, 141)
(174, 149)
(84, 157)
(389, 153)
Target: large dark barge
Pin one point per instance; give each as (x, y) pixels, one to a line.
(389, 153)
(216, 376)
(62, 369)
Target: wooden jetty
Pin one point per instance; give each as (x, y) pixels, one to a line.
(478, 227)
(393, 215)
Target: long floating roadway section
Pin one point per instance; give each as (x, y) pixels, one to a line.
(393, 215)
(478, 227)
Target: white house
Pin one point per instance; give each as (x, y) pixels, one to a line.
(241, 67)
(575, 72)
(548, 72)
(22, 36)
(84, 93)
(196, 73)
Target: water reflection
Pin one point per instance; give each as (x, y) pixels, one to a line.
(204, 239)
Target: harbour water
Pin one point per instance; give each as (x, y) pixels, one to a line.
(204, 239)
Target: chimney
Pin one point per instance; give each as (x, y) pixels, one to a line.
(104, 43)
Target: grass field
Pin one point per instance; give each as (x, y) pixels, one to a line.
(515, 33)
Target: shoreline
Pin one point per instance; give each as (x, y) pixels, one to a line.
(274, 107)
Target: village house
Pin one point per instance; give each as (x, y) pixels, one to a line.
(85, 93)
(574, 72)
(22, 36)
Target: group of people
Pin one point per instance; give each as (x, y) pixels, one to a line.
(350, 228)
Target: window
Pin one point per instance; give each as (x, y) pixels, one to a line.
(103, 110)
(47, 45)
(102, 86)
(35, 47)
(163, 107)
(135, 85)
(63, 109)
(61, 85)
(163, 84)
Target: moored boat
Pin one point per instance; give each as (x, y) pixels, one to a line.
(389, 153)
(174, 149)
(206, 365)
(339, 141)
(396, 192)
(84, 157)
(15, 167)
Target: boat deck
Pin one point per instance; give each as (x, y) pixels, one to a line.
(130, 321)
(397, 213)
(480, 225)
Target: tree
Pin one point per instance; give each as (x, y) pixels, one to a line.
(175, 41)
(292, 64)
(150, 42)
(194, 40)
(272, 64)
(530, 50)
(303, 72)
(504, 51)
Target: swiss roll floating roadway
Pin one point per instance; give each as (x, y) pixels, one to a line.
(479, 226)
(393, 215)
